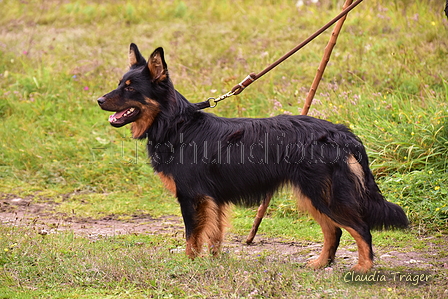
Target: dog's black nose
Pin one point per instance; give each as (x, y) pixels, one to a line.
(101, 101)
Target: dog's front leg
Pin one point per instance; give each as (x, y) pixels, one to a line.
(205, 222)
(189, 214)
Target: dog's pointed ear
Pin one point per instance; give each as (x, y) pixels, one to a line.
(135, 58)
(157, 66)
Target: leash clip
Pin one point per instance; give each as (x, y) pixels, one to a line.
(214, 101)
(237, 89)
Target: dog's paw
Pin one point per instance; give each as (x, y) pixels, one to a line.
(317, 263)
(361, 269)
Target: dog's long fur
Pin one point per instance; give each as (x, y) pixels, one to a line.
(209, 162)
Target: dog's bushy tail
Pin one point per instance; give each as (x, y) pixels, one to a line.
(378, 213)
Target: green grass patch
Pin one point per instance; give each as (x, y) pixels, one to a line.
(66, 266)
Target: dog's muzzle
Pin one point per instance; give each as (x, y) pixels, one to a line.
(101, 100)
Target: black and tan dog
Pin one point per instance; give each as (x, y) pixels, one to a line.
(209, 162)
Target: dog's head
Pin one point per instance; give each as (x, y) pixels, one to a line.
(137, 99)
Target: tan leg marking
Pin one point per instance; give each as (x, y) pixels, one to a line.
(211, 223)
(356, 169)
(329, 227)
(216, 237)
(365, 263)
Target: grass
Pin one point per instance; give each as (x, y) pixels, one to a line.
(146, 266)
(387, 80)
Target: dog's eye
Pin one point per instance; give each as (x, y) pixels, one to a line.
(129, 89)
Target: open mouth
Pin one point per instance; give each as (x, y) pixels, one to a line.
(124, 117)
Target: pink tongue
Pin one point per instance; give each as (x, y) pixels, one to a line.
(117, 115)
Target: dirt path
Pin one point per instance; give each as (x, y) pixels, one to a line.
(41, 216)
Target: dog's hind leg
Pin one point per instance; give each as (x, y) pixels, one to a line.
(332, 235)
(363, 240)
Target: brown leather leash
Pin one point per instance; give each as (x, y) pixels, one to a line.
(237, 89)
